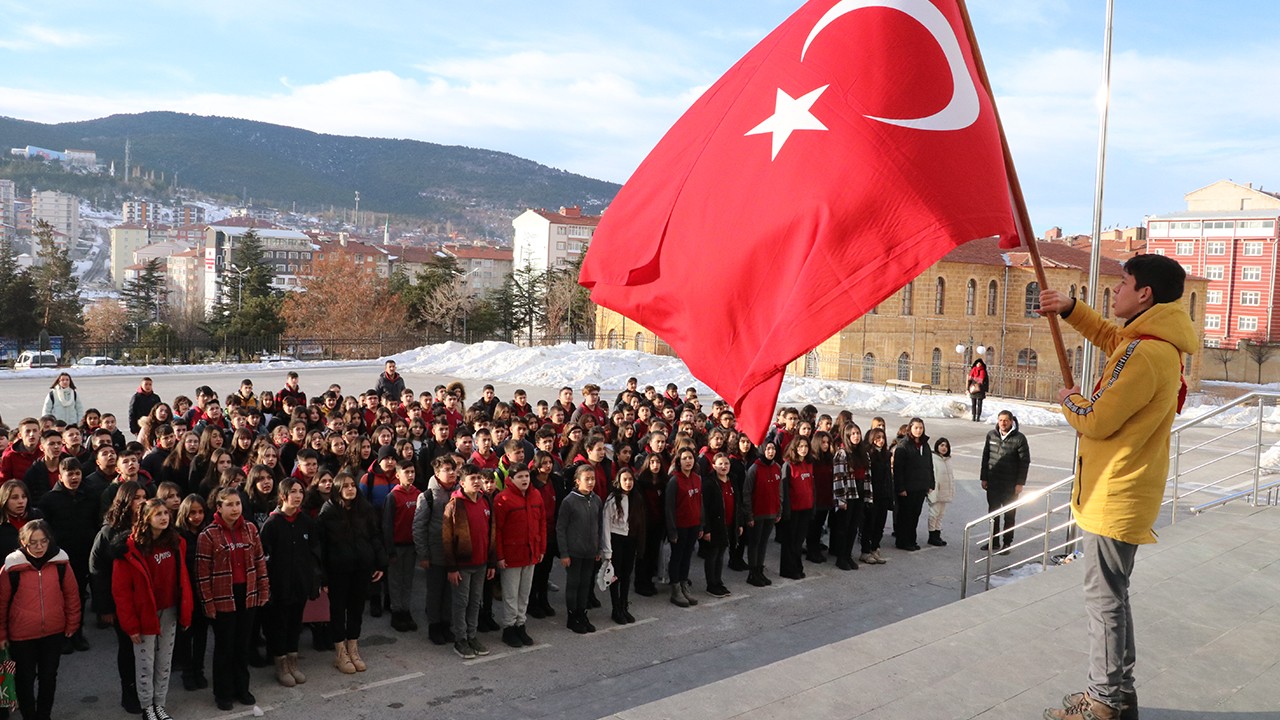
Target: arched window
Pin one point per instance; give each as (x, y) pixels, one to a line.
(904, 367)
(1073, 291)
(1192, 308)
(906, 297)
(1025, 376)
(971, 298)
(612, 339)
(1033, 299)
(1106, 303)
(868, 368)
(940, 297)
(1084, 293)
(640, 342)
(992, 292)
(935, 368)
(1079, 363)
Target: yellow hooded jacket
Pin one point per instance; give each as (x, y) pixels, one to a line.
(1124, 425)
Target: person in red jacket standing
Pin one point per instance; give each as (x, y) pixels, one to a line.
(685, 524)
(152, 590)
(23, 452)
(38, 611)
(520, 533)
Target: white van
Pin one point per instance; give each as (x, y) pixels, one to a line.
(35, 359)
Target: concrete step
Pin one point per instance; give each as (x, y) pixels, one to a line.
(1207, 605)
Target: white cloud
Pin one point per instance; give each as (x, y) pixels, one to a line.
(41, 37)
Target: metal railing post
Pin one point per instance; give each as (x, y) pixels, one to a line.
(964, 560)
(1177, 457)
(991, 547)
(1048, 524)
(1257, 454)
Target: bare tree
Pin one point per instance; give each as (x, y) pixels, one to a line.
(447, 307)
(1260, 353)
(1223, 355)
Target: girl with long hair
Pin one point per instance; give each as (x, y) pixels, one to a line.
(352, 559)
(108, 545)
(152, 589)
(797, 504)
(623, 539)
(189, 649)
(289, 541)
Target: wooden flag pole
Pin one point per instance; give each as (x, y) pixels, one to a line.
(1022, 217)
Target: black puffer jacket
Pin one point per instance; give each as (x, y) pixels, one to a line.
(290, 547)
(912, 465)
(349, 539)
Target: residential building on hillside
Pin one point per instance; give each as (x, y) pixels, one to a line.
(188, 214)
(364, 253)
(483, 268)
(59, 209)
(979, 300)
(126, 240)
(8, 210)
(411, 259)
(140, 212)
(184, 276)
(548, 240)
(1228, 235)
(289, 252)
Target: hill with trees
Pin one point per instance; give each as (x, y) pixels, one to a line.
(276, 166)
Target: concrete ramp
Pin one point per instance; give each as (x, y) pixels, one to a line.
(1207, 606)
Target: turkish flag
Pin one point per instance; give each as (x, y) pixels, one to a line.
(847, 152)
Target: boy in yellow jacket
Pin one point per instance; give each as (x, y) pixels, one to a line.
(1123, 461)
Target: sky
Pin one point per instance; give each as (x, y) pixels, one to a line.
(590, 87)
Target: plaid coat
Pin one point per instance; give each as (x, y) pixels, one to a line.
(213, 568)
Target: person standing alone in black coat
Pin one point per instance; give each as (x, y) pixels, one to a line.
(1006, 458)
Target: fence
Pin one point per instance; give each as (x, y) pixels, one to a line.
(179, 350)
(1019, 383)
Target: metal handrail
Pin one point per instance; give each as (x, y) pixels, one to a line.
(1043, 496)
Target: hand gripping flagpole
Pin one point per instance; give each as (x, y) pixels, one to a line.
(1022, 217)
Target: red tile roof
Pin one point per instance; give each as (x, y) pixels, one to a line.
(472, 252)
(562, 219)
(987, 251)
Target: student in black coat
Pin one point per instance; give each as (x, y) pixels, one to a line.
(290, 543)
(912, 481)
(72, 513)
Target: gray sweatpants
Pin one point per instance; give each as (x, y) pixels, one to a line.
(152, 659)
(468, 595)
(516, 584)
(1108, 563)
(400, 577)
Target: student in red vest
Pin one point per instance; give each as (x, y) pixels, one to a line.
(797, 505)
(684, 524)
(153, 597)
(760, 509)
(469, 558)
(397, 534)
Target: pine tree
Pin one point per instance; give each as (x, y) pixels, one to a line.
(246, 304)
(528, 295)
(145, 296)
(18, 321)
(57, 292)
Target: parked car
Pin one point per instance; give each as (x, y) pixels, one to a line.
(92, 360)
(35, 359)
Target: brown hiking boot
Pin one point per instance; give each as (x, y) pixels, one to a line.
(1128, 704)
(1086, 708)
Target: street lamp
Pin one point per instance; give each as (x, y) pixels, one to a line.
(240, 273)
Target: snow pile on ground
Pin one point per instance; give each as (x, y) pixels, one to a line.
(1016, 574)
(1271, 459)
(573, 365)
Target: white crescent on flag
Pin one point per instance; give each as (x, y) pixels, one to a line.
(963, 108)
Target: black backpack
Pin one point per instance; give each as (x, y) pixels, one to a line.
(15, 577)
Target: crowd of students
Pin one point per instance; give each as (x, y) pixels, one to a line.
(251, 516)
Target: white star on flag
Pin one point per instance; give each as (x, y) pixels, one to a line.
(789, 115)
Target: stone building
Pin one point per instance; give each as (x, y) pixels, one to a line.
(978, 297)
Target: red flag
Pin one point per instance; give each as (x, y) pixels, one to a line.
(847, 152)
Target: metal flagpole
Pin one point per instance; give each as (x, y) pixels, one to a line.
(1090, 370)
